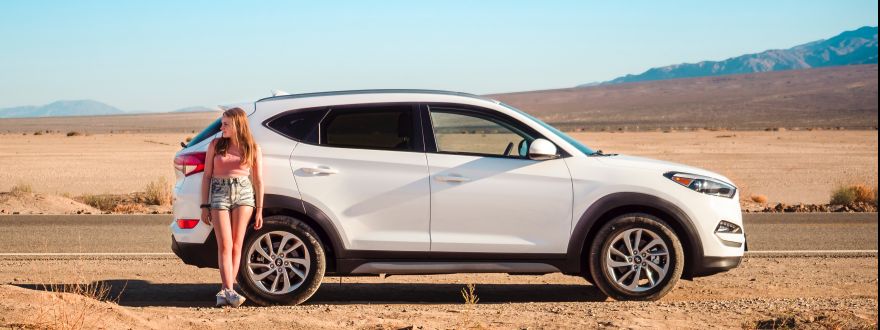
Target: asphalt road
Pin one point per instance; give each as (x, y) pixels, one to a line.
(150, 233)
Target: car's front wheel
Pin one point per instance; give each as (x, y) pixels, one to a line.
(282, 263)
(636, 256)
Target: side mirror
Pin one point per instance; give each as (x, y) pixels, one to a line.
(542, 150)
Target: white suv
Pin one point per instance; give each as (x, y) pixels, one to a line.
(433, 182)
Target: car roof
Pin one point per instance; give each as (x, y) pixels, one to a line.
(375, 91)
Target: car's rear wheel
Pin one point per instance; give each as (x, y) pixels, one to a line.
(282, 263)
(636, 256)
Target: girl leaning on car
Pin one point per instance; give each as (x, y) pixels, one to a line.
(232, 178)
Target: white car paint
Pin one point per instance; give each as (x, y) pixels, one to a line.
(389, 200)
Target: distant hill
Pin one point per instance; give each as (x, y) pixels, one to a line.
(198, 109)
(848, 48)
(62, 108)
(843, 96)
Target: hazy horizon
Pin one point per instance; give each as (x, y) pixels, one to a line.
(164, 56)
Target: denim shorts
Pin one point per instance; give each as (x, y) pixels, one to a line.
(227, 193)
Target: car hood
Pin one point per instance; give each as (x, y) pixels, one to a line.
(660, 166)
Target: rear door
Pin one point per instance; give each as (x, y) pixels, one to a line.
(486, 195)
(368, 173)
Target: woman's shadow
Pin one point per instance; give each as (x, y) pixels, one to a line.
(142, 293)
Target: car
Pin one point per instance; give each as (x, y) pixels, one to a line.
(390, 182)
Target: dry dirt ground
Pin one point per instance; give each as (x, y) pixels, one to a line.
(786, 166)
(789, 166)
(820, 292)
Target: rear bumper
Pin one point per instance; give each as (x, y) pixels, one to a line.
(202, 255)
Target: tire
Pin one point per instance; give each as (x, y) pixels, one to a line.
(262, 281)
(647, 276)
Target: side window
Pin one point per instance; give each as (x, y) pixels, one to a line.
(376, 127)
(457, 131)
(299, 125)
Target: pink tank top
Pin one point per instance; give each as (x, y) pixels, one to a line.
(230, 165)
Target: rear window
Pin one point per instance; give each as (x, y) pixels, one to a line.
(298, 125)
(209, 131)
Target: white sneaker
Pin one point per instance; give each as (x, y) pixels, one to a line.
(233, 298)
(221, 299)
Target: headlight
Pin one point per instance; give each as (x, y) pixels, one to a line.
(703, 184)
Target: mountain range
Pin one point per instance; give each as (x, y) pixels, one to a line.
(848, 48)
(80, 108)
(62, 108)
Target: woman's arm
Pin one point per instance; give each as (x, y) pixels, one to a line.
(206, 180)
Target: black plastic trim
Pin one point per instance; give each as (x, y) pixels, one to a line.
(274, 204)
(715, 265)
(202, 255)
(357, 258)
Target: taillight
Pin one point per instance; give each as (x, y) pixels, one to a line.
(190, 163)
(187, 223)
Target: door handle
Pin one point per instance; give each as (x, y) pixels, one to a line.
(320, 170)
(451, 178)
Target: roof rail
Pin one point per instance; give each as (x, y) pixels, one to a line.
(373, 91)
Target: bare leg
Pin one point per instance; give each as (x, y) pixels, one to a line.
(241, 216)
(223, 233)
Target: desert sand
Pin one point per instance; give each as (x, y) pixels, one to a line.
(162, 293)
(786, 166)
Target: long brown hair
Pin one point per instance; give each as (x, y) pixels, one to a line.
(241, 136)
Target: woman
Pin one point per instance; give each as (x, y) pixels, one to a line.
(233, 173)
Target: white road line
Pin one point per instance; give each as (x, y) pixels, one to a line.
(812, 251)
(87, 254)
(171, 254)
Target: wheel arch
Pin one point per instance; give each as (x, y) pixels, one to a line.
(311, 215)
(613, 205)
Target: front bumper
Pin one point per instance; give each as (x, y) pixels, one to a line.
(202, 255)
(715, 265)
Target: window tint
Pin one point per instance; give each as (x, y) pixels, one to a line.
(386, 127)
(209, 131)
(470, 133)
(299, 125)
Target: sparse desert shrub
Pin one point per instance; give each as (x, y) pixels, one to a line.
(74, 133)
(38, 133)
(855, 193)
(863, 193)
(101, 202)
(189, 138)
(158, 192)
(78, 314)
(129, 208)
(843, 196)
(470, 294)
(21, 189)
(760, 199)
(801, 320)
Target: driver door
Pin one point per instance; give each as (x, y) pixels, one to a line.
(486, 195)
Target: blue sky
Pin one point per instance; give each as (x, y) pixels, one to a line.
(165, 55)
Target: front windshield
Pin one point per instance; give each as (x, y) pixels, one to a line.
(580, 146)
